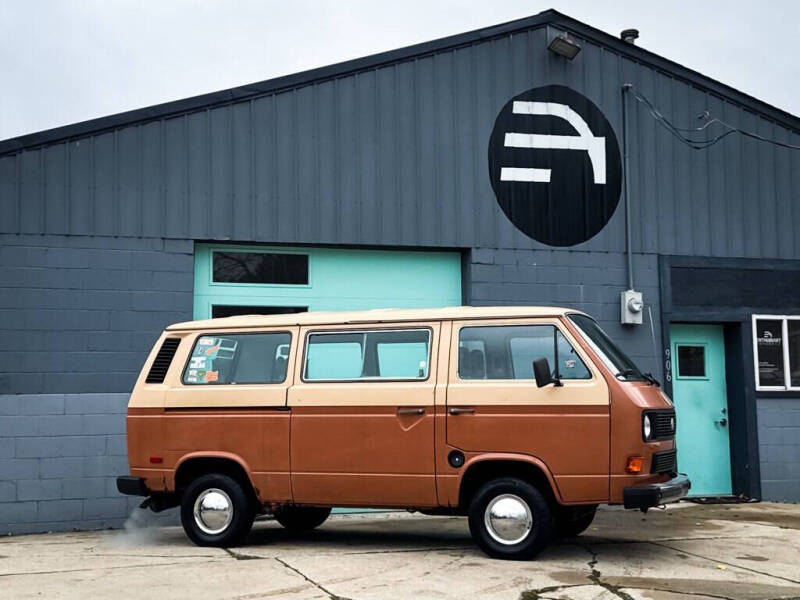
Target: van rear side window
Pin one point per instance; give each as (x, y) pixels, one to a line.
(238, 358)
(360, 355)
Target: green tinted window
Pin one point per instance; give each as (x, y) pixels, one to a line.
(398, 354)
(334, 357)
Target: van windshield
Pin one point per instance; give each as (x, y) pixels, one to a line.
(613, 357)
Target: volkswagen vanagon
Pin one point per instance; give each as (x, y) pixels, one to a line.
(524, 419)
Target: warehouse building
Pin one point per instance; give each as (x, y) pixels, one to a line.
(509, 165)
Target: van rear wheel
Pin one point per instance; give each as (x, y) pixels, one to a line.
(301, 518)
(215, 511)
(510, 519)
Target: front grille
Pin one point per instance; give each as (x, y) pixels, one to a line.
(665, 462)
(162, 361)
(663, 424)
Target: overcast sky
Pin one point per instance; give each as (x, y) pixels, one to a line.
(71, 60)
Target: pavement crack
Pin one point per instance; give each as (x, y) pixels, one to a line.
(596, 576)
(408, 550)
(92, 568)
(241, 555)
(537, 593)
(319, 586)
(722, 562)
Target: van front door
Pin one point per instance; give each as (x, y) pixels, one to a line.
(494, 405)
(362, 416)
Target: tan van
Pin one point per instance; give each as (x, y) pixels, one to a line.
(524, 419)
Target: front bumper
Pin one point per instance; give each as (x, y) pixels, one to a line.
(655, 494)
(132, 486)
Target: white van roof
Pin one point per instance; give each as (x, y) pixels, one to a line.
(380, 315)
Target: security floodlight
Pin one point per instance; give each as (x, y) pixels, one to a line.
(563, 46)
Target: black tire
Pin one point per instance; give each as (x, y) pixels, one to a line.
(573, 521)
(209, 487)
(301, 518)
(538, 510)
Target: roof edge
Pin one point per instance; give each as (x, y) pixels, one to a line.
(268, 86)
(271, 86)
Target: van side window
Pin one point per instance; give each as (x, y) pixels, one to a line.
(508, 352)
(358, 355)
(238, 358)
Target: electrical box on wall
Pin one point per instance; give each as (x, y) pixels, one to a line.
(631, 306)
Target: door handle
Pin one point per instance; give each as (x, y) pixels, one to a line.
(456, 410)
(410, 410)
(722, 422)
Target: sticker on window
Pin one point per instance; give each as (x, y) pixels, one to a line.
(239, 358)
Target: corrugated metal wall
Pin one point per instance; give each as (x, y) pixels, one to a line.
(398, 156)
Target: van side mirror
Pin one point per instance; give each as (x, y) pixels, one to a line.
(541, 371)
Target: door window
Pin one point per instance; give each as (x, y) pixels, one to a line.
(238, 358)
(508, 352)
(367, 355)
(692, 361)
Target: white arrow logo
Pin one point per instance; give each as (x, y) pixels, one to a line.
(585, 140)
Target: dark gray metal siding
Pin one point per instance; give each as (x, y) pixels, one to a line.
(397, 155)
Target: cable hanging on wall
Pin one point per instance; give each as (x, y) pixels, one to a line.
(679, 132)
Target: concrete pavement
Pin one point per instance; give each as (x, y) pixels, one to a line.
(746, 551)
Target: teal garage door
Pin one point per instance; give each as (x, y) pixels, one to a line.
(231, 280)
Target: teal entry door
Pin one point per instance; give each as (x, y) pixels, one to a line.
(701, 407)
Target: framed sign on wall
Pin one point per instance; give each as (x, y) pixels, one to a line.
(776, 348)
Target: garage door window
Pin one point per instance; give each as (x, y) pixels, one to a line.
(260, 267)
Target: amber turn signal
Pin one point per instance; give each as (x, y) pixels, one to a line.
(634, 464)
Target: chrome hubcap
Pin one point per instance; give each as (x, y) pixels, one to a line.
(508, 519)
(213, 511)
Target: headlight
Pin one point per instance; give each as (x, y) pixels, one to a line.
(647, 427)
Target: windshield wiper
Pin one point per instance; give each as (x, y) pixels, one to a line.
(627, 373)
(636, 374)
(649, 377)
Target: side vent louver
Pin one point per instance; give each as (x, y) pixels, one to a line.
(162, 361)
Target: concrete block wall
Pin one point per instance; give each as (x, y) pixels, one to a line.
(779, 448)
(79, 314)
(587, 281)
(59, 457)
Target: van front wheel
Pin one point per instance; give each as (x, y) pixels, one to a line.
(215, 511)
(510, 519)
(301, 518)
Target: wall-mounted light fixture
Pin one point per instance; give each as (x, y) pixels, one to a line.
(564, 46)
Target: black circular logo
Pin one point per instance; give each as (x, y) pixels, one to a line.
(554, 165)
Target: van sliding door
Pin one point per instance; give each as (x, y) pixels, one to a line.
(362, 416)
